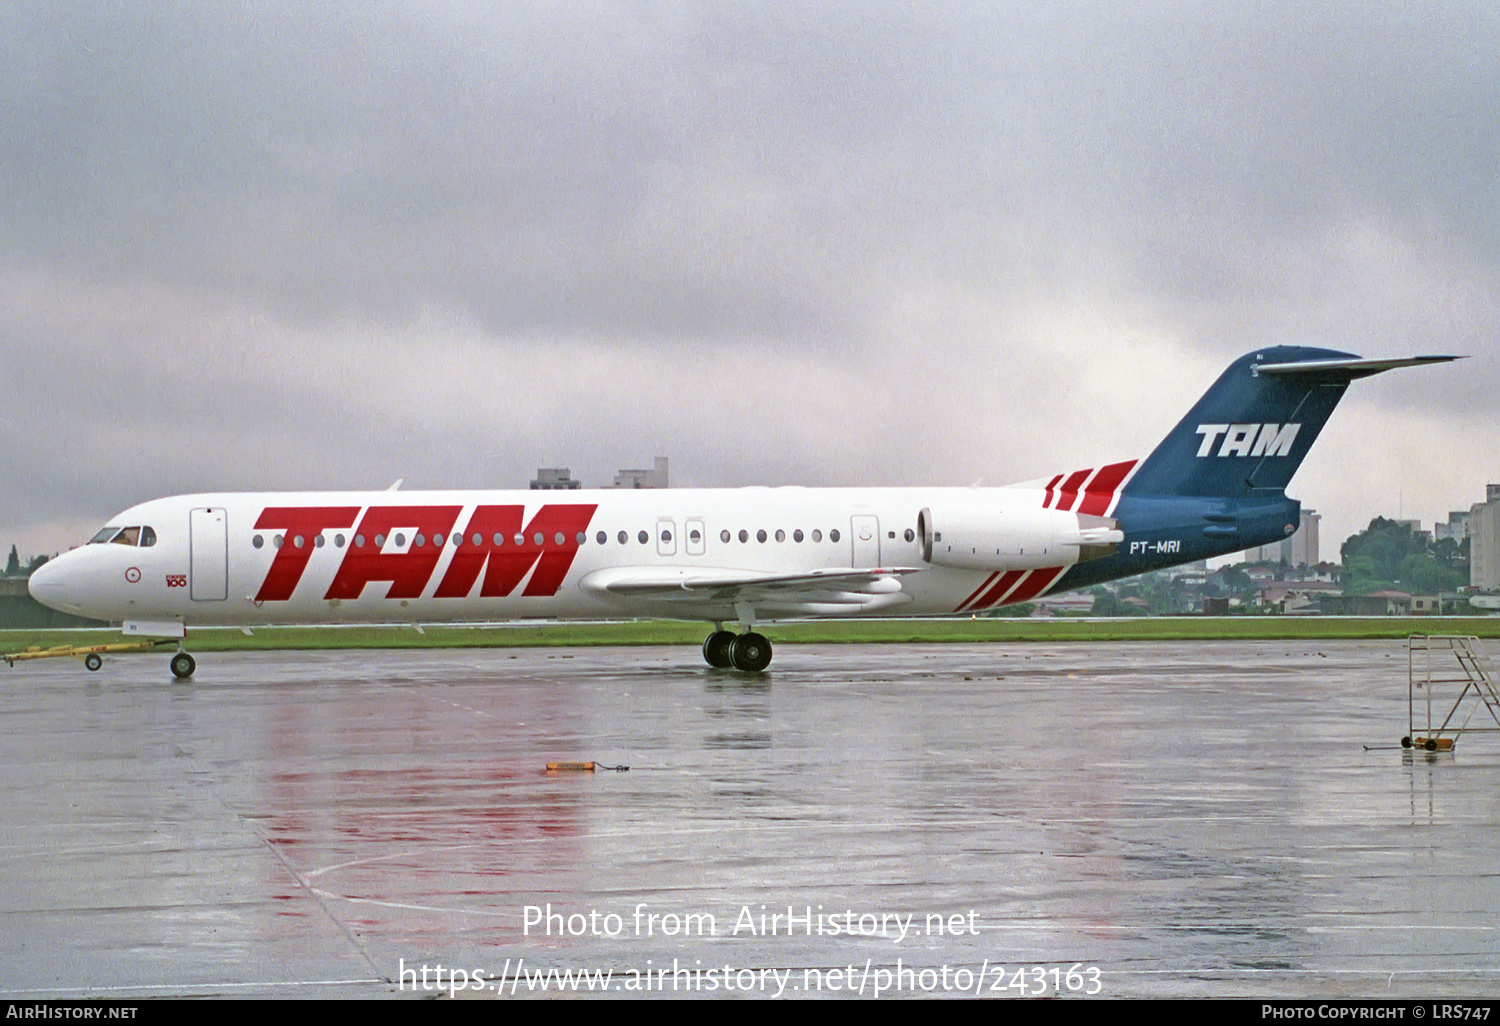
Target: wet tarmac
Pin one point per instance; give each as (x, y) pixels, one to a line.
(1123, 819)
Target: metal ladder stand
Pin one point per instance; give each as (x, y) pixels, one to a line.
(1474, 672)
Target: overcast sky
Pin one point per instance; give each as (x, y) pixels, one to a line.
(275, 246)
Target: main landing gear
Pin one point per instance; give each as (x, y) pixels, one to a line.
(750, 652)
(183, 665)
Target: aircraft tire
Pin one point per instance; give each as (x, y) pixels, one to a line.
(183, 665)
(92, 661)
(716, 650)
(751, 652)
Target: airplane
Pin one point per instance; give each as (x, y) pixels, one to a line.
(742, 556)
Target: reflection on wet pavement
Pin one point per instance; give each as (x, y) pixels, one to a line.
(1191, 819)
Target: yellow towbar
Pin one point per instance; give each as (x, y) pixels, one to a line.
(92, 655)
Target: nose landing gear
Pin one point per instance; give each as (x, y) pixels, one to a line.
(183, 665)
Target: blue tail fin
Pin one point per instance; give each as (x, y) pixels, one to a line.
(1249, 433)
(1217, 483)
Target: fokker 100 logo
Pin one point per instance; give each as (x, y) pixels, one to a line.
(1248, 439)
(493, 542)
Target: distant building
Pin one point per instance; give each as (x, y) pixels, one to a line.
(554, 479)
(654, 478)
(1484, 542)
(1297, 596)
(1191, 574)
(1264, 554)
(1415, 526)
(1068, 603)
(1301, 549)
(1377, 603)
(1456, 528)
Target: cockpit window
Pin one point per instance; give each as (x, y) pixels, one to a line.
(142, 536)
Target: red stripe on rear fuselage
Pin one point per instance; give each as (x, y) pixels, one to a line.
(1101, 490)
(1036, 582)
(975, 593)
(995, 594)
(1070, 489)
(1051, 486)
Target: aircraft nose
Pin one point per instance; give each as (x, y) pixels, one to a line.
(48, 584)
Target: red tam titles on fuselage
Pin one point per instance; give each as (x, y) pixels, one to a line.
(402, 546)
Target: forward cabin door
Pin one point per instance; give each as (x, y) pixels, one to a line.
(864, 536)
(208, 554)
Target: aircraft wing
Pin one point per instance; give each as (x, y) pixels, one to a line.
(830, 592)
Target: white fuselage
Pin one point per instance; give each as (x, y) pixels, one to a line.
(445, 556)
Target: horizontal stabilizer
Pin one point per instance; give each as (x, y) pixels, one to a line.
(1349, 369)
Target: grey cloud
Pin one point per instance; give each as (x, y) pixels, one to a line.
(741, 189)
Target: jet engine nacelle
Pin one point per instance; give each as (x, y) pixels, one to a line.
(1019, 538)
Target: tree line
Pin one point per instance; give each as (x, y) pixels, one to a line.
(15, 568)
